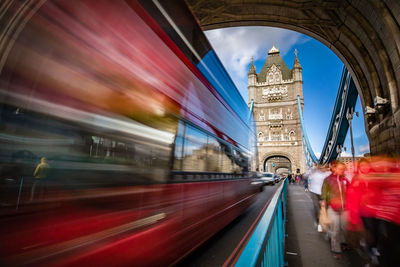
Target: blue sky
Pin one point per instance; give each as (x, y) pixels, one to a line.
(322, 70)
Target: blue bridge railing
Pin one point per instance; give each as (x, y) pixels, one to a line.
(266, 245)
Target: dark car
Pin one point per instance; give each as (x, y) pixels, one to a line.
(277, 178)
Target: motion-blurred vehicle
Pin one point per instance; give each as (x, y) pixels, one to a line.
(277, 178)
(267, 177)
(136, 145)
(257, 181)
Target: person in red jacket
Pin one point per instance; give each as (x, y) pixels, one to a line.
(354, 193)
(373, 204)
(334, 198)
(358, 226)
(380, 209)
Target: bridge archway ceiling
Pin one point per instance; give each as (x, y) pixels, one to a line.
(364, 34)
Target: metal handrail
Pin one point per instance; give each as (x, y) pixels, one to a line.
(266, 245)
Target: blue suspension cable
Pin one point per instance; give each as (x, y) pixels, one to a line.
(305, 137)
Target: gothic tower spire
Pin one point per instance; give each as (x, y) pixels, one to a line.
(297, 76)
(252, 69)
(296, 63)
(252, 80)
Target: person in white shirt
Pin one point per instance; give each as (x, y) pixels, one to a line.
(315, 180)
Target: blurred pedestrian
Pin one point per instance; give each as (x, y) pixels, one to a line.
(40, 174)
(290, 177)
(305, 183)
(305, 177)
(315, 180)
(374, 203)
(334, 198)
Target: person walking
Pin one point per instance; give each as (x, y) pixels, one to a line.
(40, 175)
(373, 205)
(290, 178)
(305, 182)
(334, 198)
(315, 180)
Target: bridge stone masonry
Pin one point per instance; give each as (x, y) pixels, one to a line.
(364, 34)
(274, 92)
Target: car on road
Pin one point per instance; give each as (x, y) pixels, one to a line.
(267, 178)
(256, 181)
(277, 178)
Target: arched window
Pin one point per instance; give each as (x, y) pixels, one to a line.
(261, 136)
(271, 78)
(277, 77)
(292, 135)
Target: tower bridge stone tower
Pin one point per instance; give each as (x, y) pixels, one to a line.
(274, 91)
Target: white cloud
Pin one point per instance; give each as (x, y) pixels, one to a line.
(235, 47)
(363, 148)
(345, 154)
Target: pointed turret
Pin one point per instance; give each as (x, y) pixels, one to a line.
(297, 75)
(296, 63)
(252, 80)
(252, 69)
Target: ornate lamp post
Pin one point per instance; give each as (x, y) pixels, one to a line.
(349, 116)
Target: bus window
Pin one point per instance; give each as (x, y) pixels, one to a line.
(178, 148)
(178, 153)
(195, 150)
(240, 160)
(214, 155)
(226, 161)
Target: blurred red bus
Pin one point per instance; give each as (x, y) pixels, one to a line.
(144, 142)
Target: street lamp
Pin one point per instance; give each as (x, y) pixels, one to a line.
(349, 116)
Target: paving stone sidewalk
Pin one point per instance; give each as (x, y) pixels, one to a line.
(304, 245)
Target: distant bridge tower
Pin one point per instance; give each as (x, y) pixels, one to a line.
(274, 91)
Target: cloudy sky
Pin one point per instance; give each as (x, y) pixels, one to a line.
(321, 74)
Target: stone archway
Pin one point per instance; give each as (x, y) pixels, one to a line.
(294, 163)
(283, 171)
(365, 35)
(277, 162)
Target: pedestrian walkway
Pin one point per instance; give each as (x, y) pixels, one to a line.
(304, 245)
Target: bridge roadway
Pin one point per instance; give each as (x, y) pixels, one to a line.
(217, 250)
(304, 245)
